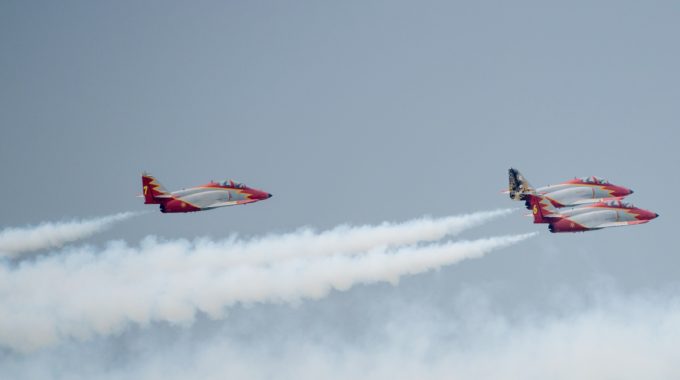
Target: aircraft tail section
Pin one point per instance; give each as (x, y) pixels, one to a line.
(153, 191)
(518, 186)
(542, 209)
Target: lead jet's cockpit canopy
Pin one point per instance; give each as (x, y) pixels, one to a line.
(233, 184)
(595, 180)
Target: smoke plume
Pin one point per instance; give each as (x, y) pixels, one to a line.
(343, 239)
(48, 235)
(85, 292)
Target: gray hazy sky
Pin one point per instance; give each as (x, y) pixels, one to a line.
(348, 112)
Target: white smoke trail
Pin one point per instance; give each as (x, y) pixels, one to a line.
(15, 241)
(343, 239)
(83, 293)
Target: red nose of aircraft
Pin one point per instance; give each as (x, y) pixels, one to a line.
(648, 215)
(261, 195)
(620, 191)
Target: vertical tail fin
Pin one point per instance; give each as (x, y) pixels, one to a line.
(542, 209)
(152, 189)
(518, 186)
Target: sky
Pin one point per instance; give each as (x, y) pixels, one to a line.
(357, 112)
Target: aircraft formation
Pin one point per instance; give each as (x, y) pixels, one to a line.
(577, 205)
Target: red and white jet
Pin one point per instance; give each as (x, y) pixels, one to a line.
(595, 216)
(199, 198)
(578, 191)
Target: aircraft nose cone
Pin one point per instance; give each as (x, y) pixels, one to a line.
(656, 215)
(269, 195)
(630, 191)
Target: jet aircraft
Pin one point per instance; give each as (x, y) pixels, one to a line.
(577, 191)
(595, 216)
(199, 198)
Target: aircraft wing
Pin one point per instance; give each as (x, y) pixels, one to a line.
(620, 224)
(164, 196)
(231, 203)
(581, 202)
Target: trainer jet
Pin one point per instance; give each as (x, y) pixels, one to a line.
(577, 191)
(595, 216)
(199, 198)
